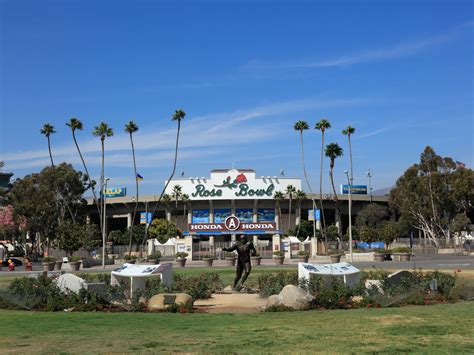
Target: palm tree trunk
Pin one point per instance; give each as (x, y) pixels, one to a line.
(289, 214)
(96, 201)
(170, 177)
(350, 156)
(307, 182)
(136, 195)
(338, 212)
(323, 226)
(102, 200)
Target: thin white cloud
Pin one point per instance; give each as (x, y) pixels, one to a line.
(373, 133)
(400, 50)
(240, 126)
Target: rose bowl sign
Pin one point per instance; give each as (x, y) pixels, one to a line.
(233, 184)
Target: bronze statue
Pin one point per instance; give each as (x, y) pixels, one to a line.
(244, 250)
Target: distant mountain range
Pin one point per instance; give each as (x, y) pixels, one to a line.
(382, 192)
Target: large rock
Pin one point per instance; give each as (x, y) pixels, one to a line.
(161, 301)
(291, 296)
(274, 300)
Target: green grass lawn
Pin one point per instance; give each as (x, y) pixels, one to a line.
(422, 329)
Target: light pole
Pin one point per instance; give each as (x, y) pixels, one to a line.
(350, 214)
(104, 219)
(369, 175)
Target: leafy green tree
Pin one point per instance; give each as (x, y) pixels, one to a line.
(388, 232)
(162, 229)
(131, 127)
(34, 199)
(461, 223)
(333, 151)
(91, 237)
(431, 193)
(368, 234)
(118, 237)
(372, 215)
(332, 232)
(303, 230)
(69, 237)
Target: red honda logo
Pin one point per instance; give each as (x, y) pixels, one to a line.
(232, 223)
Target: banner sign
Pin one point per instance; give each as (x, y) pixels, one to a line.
(356, 189)
(266, 214)
(200, 216)
(145, 217)
(311, 214)
(220, 214)
(112, 192)
(232, 225)
(244, 214)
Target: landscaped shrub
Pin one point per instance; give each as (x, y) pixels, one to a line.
(198, 287)
(332, 293)
(272, 283)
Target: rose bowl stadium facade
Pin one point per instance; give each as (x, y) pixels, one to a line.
(228, 203)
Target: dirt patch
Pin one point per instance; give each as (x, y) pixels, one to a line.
(232, 303)
(396, 319)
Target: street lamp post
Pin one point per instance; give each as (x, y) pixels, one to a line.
(369, 175)
(350, 215)
(104, 219)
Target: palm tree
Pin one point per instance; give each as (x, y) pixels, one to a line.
(322, 126)
(348, 132)
(131, 127)
(278, 197)
(167, 202)
(302, 126)
(333, 151)
(290, 190)
(47, 130)
(177, 116)
(176, 194)
(185, 199)
(74, 124)
(102, 130)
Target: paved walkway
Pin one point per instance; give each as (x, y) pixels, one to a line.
(232, 303)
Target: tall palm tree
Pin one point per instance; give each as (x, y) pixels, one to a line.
(103, 130)
(176, 194)
(47, 130)
(185, 199)
(131, 127)
(75, 123)
(278, 196)
(178, 116)
(322, 126)
(302, 126)
(290, 190)
(333, 151)
(348, 132)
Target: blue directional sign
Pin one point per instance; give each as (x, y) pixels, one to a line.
(312, 213)
(145, 217)
(356, 189)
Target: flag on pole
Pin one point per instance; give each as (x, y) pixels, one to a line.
(139, 177)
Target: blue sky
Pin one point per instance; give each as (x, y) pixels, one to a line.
(400, 72)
